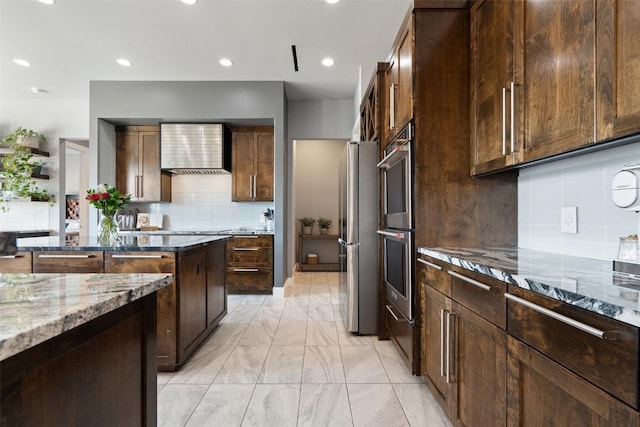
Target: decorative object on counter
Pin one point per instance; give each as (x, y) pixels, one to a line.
(628, 248)
(107, 200)
(149, 222)
(268, 217)
(325, 224)
(307, 224)
(24, 137)
(16, 176)
(8, 243)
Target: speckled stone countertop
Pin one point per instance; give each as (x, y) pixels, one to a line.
(37, 307)
(586, 283)
(131, 242)
(230, 231)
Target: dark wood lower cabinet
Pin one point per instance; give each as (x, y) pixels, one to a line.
(193, 300)
(102, 373)
(540, 392)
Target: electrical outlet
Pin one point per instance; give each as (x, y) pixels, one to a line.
(569, 220)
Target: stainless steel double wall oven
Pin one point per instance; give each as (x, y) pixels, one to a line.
(398, 233)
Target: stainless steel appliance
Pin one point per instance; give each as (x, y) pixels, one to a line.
(358, 221)
(397, 236)
(195, 148)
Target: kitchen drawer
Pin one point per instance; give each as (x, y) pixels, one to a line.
(250, 279)
(68, 262)
(254, 255)
(139, 262)
(610, 362)
(434, 273)
(248, 241)
(480, 294)
(18, 263)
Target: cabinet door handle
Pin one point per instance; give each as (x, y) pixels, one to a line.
(606, 335)
(392, 106)
(141, 186)
(65, 256)
(430, 264)
(504, 121)
(392, 313)
(255, 186)
(450, 322)
(442, 340)
(246, 270)
(470, 281)
(136, 256)
(246, 249)
(250, 185)
(513, 117)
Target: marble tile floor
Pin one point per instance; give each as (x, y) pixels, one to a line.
(287, 360)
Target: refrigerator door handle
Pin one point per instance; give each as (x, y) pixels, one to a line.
(345, 244)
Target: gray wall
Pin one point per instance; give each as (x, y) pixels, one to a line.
(137, 101)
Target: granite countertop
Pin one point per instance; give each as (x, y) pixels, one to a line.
(586, 283)
(229, 231)
(131, 242)
(37, 307)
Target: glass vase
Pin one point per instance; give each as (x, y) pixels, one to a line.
(108, 230)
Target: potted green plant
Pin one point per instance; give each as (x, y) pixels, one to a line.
(16, 177)
(23, 137)
(307, 224)
(325, 224)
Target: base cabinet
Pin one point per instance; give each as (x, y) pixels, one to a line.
(250, 264)
(18, 263)
(543, 393)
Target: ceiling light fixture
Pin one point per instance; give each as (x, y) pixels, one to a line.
(38, 90)
(47, 1)
(332, 1)
(328, 62)
(22, 62)
(189, 2)
(124, 62)
(225, 62)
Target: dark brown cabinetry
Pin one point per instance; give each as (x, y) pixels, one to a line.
(252, 164)
(68, 261)
(618, 91)
(464, 344)
(371, 118)
(399, 83)
(18, 263)
(193, 299)
(138, 164)
(250, 264)
(216, 287)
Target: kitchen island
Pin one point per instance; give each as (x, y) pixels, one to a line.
(78, 349)
(188, 310)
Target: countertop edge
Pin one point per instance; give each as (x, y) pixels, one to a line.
(13, 345)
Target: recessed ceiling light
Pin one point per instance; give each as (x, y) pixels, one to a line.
(38, 90)
(332, 1)
(225, 62)
(22, 62)
(189, 1)
(328, 62)
(124, 62)
(47, 1)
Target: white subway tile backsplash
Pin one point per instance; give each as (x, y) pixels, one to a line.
(584, 182)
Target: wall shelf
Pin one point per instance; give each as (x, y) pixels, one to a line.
(321, 266)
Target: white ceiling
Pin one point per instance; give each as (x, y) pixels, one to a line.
(76, 41)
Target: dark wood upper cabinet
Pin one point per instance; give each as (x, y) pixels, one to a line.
(252, 164)
(138, 164)
(398, 109)
(618, 56)
(533, 80)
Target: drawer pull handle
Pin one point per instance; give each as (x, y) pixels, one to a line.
(137, 256)
(430, 264)
(470, 281)
(245, 237)
(246, 249)
(65, 256)
(246, 270)
(392, 313)
(11, 256)
(605, 335)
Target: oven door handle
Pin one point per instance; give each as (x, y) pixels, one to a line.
(396, 234)
(397, 154)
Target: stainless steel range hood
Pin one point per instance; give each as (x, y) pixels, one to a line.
(195, 148)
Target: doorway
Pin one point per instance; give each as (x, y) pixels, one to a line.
(74, 184)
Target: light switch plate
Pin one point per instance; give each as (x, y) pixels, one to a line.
(569, 220)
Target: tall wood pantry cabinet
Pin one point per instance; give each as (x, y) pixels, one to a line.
(138, 164)
(252, 164)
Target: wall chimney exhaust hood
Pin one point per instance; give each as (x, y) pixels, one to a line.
(195, 148)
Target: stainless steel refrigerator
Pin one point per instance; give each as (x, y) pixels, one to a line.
(358, 240)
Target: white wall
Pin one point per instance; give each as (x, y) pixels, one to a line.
(584, 182)
(56, 119)
(315, 189)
